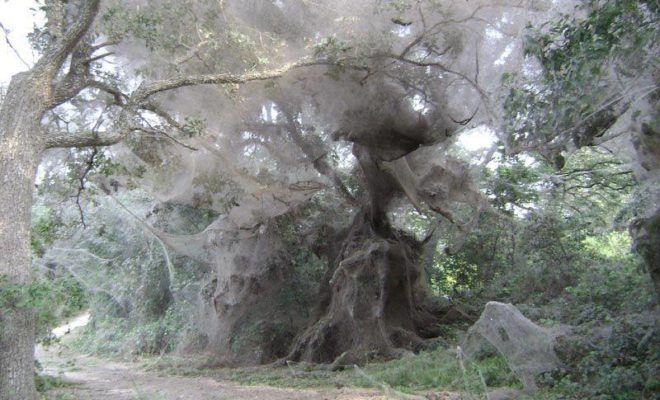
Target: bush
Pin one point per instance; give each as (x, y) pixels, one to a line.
(616, 360)
(116, 336)
(53, 299)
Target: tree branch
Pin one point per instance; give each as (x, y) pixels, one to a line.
(318, 160)
(119, 97)
(441, 67)
(62, 47)
(147, 90)
(156, 133)
(85, 139)
(76, 78)
(139, 99)
(81, 180)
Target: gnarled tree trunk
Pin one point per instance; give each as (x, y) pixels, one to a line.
(373, 305)
(374, 302)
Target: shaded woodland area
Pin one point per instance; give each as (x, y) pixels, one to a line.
(317, 184)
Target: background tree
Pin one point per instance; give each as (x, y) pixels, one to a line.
(598, 86)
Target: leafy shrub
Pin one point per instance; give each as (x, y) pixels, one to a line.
(615, 360)
(45, 383)
(612, 282)
(44, 228)
(52, 299)
(161, 335)
(119, 336)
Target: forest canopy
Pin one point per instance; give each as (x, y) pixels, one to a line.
(338, 182)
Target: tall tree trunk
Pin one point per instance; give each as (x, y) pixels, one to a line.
(20, 149)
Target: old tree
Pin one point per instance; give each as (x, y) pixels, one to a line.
(361, 104)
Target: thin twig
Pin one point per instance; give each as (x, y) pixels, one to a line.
(5, 31)
(81, 187)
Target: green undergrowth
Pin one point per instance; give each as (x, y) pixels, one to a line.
(427, 371)
(53, 298)
(121, 337)
(45, 383)
(438, 369)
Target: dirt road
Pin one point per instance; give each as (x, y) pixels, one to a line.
(97, 379)
(93, 378)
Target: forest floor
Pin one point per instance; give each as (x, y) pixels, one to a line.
(85, 377)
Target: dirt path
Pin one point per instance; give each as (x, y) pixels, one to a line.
(98, 379)
(102, 380)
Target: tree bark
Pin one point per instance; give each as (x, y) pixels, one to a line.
(17, 354)
(20, 149)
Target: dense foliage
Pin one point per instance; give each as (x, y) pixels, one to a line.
(594, 68)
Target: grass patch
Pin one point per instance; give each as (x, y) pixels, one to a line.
(432, 370)
(440, 369)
